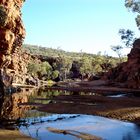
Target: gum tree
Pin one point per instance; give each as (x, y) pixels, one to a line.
(134, 6)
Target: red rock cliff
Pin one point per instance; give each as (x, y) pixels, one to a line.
(128, 73)
(12, 33)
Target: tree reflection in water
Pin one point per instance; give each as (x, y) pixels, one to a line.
(13, 115)
(133, 135)
(11, 111)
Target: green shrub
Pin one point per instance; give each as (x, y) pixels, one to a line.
(55, 74)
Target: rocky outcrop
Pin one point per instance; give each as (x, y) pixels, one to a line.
(128, 73)
(12, 31)
(18, 66)
(12, 34)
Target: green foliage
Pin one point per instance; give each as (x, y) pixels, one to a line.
(45, 71)
(55, 74)
(42, 70)
(118, 49)
(138, 21)
(86, 65)
(96, 63)
(127, 36)
(134, 6)
(33, 68)
(45, 67)
(64, 64)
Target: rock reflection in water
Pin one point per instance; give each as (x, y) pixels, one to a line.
(34, 123)
(10, 111)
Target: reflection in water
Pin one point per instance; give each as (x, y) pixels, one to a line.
(34, 123)
(133, 135)
(9, 104)
(11, 111)
(108, 129)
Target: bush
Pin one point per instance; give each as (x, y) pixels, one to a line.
(42, 70)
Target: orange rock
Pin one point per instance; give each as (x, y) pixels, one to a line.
(128, 72)
(12, 33)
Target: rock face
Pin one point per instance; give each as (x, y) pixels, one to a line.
(128, 73)
(12, 31)
(12, 34)
(18, 66)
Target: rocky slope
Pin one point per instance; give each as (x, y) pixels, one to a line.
(127, 73)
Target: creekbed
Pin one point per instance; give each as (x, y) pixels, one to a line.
(104, 128)
(74, 119)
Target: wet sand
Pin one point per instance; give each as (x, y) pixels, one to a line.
(122, 108)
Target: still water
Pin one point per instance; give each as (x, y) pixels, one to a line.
(34, 123)
(108, 129)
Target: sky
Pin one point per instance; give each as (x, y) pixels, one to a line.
(77, 25)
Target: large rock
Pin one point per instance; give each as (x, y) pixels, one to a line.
(12, 31)
(128, 73)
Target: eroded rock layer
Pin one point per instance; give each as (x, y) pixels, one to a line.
(128, 73)
(12, 33)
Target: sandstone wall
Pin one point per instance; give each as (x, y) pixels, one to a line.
(12, 33)
(128, 73)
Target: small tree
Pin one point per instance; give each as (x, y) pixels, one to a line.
(127, 37)
(117, 49)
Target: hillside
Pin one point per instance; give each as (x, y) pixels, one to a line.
(69, 64)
